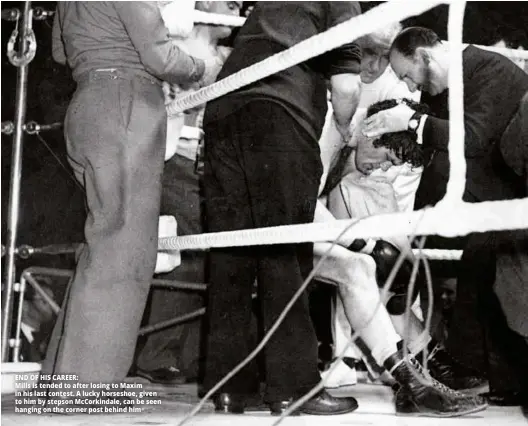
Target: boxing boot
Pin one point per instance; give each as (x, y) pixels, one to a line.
(447, 370)
(422, 395)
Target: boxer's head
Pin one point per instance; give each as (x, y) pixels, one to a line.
(391, 148)
(375, 49)
(223, 8)
(419, 58)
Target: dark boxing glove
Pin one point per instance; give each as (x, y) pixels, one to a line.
(385, 255)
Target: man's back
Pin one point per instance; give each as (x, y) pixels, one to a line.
(493, 87)
(92, 35)
(271, 28)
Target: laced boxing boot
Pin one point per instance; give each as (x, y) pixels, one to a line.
(447, 370)
(385, 255)
(426, 396)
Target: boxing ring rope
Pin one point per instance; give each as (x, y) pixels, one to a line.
(437, 254)
(25, 251)
(347, 31)
(457, 169)
(232, 21)
(217, 19)
(471, 217)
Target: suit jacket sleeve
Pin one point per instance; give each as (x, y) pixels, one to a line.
(485, 98)
(160, 55)
(58, 52)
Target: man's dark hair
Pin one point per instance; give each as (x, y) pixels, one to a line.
(407, 41)
(404, 144)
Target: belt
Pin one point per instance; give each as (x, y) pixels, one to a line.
(115, 73)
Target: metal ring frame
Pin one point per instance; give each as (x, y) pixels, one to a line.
(31, 275)
(14, 190)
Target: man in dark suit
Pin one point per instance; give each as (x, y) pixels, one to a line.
(262, 168)
(493, 88)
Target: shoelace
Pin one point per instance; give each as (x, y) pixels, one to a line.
(436, 384)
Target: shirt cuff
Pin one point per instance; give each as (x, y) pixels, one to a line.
(419, 131)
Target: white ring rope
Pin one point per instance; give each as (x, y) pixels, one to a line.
(235, 21)
(437, 254)
(488, 215)
(218, 19)
(347, 31)
(446, 220)
(457, 171)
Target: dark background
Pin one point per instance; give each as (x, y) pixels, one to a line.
(52, 204)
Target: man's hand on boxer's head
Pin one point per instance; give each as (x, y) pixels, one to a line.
(388, 121)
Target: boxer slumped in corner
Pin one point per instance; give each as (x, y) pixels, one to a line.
(493, 89)
(386, 188)
(427, 396)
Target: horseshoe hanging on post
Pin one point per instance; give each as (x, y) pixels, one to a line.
(28, 44)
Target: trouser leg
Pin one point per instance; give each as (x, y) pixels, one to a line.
(263, 171)
(284, 170)
(232, 271)
(354, 273)
(511, 283)
(162, 349)
(115, 131)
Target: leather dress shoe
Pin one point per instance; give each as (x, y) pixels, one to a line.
(278, 407)
(321, 404)
(506, 398)
(163, 376)
(229, 403)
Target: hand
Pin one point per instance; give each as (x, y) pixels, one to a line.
(213, 65)
(389, 121)
(344, 131)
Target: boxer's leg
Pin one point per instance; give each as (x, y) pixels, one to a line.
(412, 332)
(357, 197)
(353, 273)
